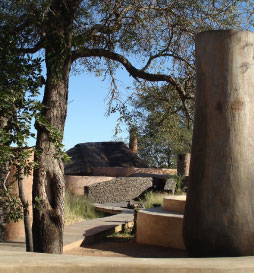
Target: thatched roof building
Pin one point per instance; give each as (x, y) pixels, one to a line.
(91, 155)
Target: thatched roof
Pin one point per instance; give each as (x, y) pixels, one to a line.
(86, 156)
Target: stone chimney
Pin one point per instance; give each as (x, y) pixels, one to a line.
(133, 142)
(183, 164)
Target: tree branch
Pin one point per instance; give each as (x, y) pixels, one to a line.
(152, 57)
(34, 49)
(177, 57)
(134, 72)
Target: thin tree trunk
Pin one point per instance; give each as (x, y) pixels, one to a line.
(4, 173)
(169, 159)
(25, 204)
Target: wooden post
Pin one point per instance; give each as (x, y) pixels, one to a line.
(219, 213)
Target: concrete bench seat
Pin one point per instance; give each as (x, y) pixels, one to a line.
(162, 226)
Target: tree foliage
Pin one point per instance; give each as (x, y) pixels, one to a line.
(163, 130)
(159, 33)
(19, 83)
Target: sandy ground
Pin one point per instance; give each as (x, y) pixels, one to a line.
(125, 247)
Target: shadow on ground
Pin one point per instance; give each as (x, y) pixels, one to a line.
(126, 247)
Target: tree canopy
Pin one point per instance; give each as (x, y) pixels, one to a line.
(159, 33)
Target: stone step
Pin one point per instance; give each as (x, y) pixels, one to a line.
(159, 227)
(101, 227)
(174, 203)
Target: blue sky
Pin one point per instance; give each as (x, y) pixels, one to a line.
(86, 119)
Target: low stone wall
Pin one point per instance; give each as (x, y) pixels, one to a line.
(118, 189)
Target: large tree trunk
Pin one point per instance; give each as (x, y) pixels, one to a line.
(219, 212)
(48, 185)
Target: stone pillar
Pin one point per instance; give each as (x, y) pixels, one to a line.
(183, 164)
(219, 213)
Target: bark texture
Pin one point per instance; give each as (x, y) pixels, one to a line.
(48, 212)
(48, 185)
(219, 212)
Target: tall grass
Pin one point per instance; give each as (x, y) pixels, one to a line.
(78, 208)
(152, 198)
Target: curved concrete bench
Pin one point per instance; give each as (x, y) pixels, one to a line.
(159, 227)
(162, 226)
(174, 203)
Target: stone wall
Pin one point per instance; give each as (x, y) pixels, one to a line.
(118, 189)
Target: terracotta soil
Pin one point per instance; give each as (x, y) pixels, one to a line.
(125, 247)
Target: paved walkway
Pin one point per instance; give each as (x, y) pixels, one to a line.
(88, 231)
(84, 232)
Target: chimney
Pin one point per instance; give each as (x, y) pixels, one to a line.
(183, 164)
(133, 142)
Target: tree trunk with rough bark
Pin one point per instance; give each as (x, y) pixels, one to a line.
(48, 184)
(48, 212)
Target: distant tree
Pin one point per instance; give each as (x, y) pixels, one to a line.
(162, 126)
(80, 32)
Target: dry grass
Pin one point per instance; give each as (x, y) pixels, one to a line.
(152, 198)
(78, 208)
